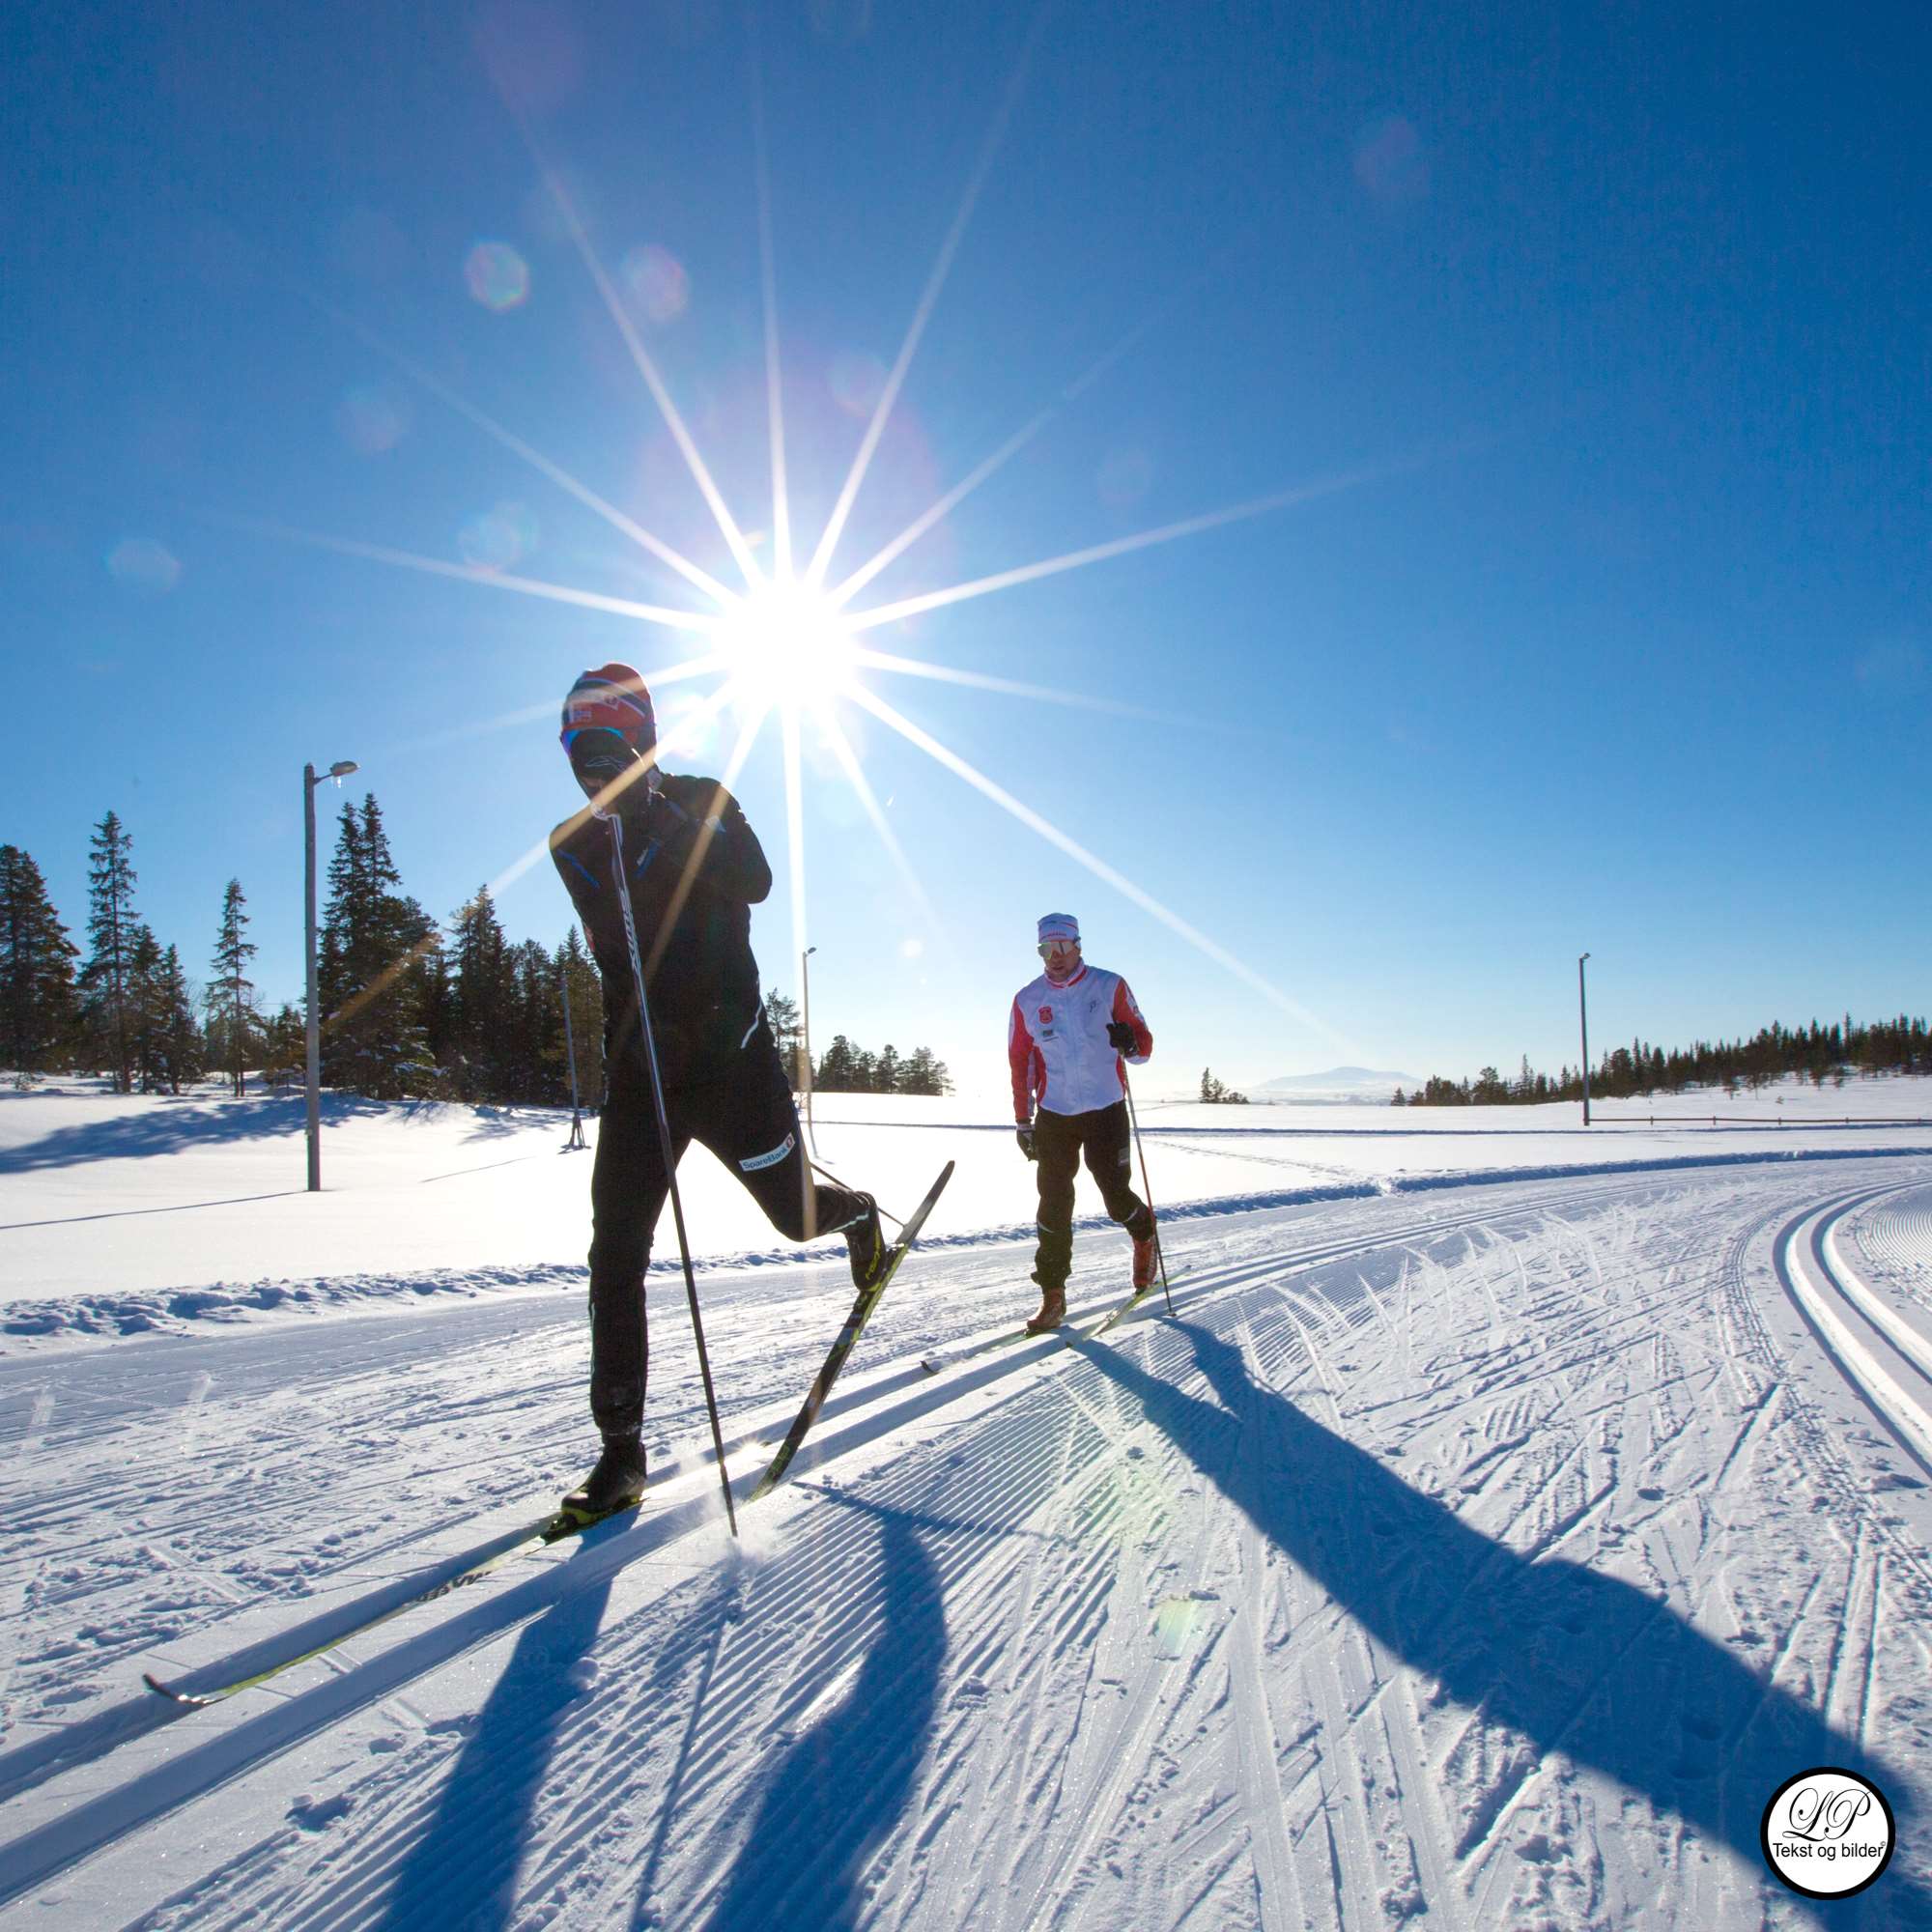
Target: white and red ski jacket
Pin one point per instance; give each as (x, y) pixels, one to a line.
(1057, 1044)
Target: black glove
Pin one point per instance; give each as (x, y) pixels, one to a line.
(658, 816)
(1024, 1135)
(1120, 1036)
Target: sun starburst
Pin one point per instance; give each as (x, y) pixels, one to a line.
(786, 646)
(786, 642)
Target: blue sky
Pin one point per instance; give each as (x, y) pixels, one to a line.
(1598, 337)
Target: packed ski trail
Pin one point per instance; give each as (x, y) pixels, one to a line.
(1491, 1555)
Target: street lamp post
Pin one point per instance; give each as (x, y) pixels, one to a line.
(805, 1022)
(339, 771)
(576, 1139)
(1583, 1020)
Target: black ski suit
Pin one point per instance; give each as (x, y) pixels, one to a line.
(695, 871)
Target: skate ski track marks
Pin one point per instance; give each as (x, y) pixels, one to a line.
(1477, 1559)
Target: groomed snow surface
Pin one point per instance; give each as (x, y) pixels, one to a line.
(1504, 1512)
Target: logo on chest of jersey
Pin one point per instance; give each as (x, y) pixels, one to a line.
(1046, 1016)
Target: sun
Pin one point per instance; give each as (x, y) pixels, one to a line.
(786, 643)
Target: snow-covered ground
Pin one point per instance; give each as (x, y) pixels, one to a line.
(1503, 1514)
(122, 1215)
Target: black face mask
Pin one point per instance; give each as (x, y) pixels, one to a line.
(600, 757)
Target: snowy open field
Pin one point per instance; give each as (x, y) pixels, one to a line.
(1504, 1513)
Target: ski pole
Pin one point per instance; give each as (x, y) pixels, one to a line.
(670, 1156)
(1133, 1119)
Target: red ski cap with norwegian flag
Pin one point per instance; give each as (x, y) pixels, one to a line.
(611, 698)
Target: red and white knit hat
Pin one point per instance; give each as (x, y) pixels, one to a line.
(612, 699)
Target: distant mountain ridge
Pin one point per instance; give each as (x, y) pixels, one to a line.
(1338, 1083)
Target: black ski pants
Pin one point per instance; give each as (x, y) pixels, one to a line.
(1059, 1140)
(742, 1112)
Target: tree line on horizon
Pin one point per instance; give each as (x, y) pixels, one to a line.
(409, 1010)
(1816, 1053)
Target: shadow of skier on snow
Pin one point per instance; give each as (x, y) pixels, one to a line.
(836, 1793)
(1569, 1659)
(462, 1870)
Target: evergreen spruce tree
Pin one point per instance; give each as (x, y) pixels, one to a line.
(285, 1040)
(378, 969)
(835, 1068)
(234, 1027)
(886, 1070)
(105, 991)
(583, 989)
(531, 1060)
(924, 1074)
(482, 994)
(179, 1044)
(782, 1016)
(37, 992)
(146, 1013)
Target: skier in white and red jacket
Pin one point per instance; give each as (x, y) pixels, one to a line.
(1067, 1035)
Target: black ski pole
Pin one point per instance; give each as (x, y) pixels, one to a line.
(670, 1156)
(1133, 1119)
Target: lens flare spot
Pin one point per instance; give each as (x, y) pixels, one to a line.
(144, 564)
(1893, 667)
(912, 948)
(497, 539)
(657, 282)
(786, 644)
(498, 277)
(858, 380)
(846, 21)
(1177, 1624)
(1389, 161)
(373, 418)
(532, 50)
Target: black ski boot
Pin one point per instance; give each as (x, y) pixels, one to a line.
(865, 1247)
(617, 1481)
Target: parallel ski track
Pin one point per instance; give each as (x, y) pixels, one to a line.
(867, 1410)
(1884, 1357)
(1385, 1691)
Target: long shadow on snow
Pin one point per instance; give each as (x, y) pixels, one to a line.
(831, 1801)
(1571, 1660)
(462, 1870)
(174, 1128)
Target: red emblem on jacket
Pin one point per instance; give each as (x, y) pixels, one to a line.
(1046, 1016)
